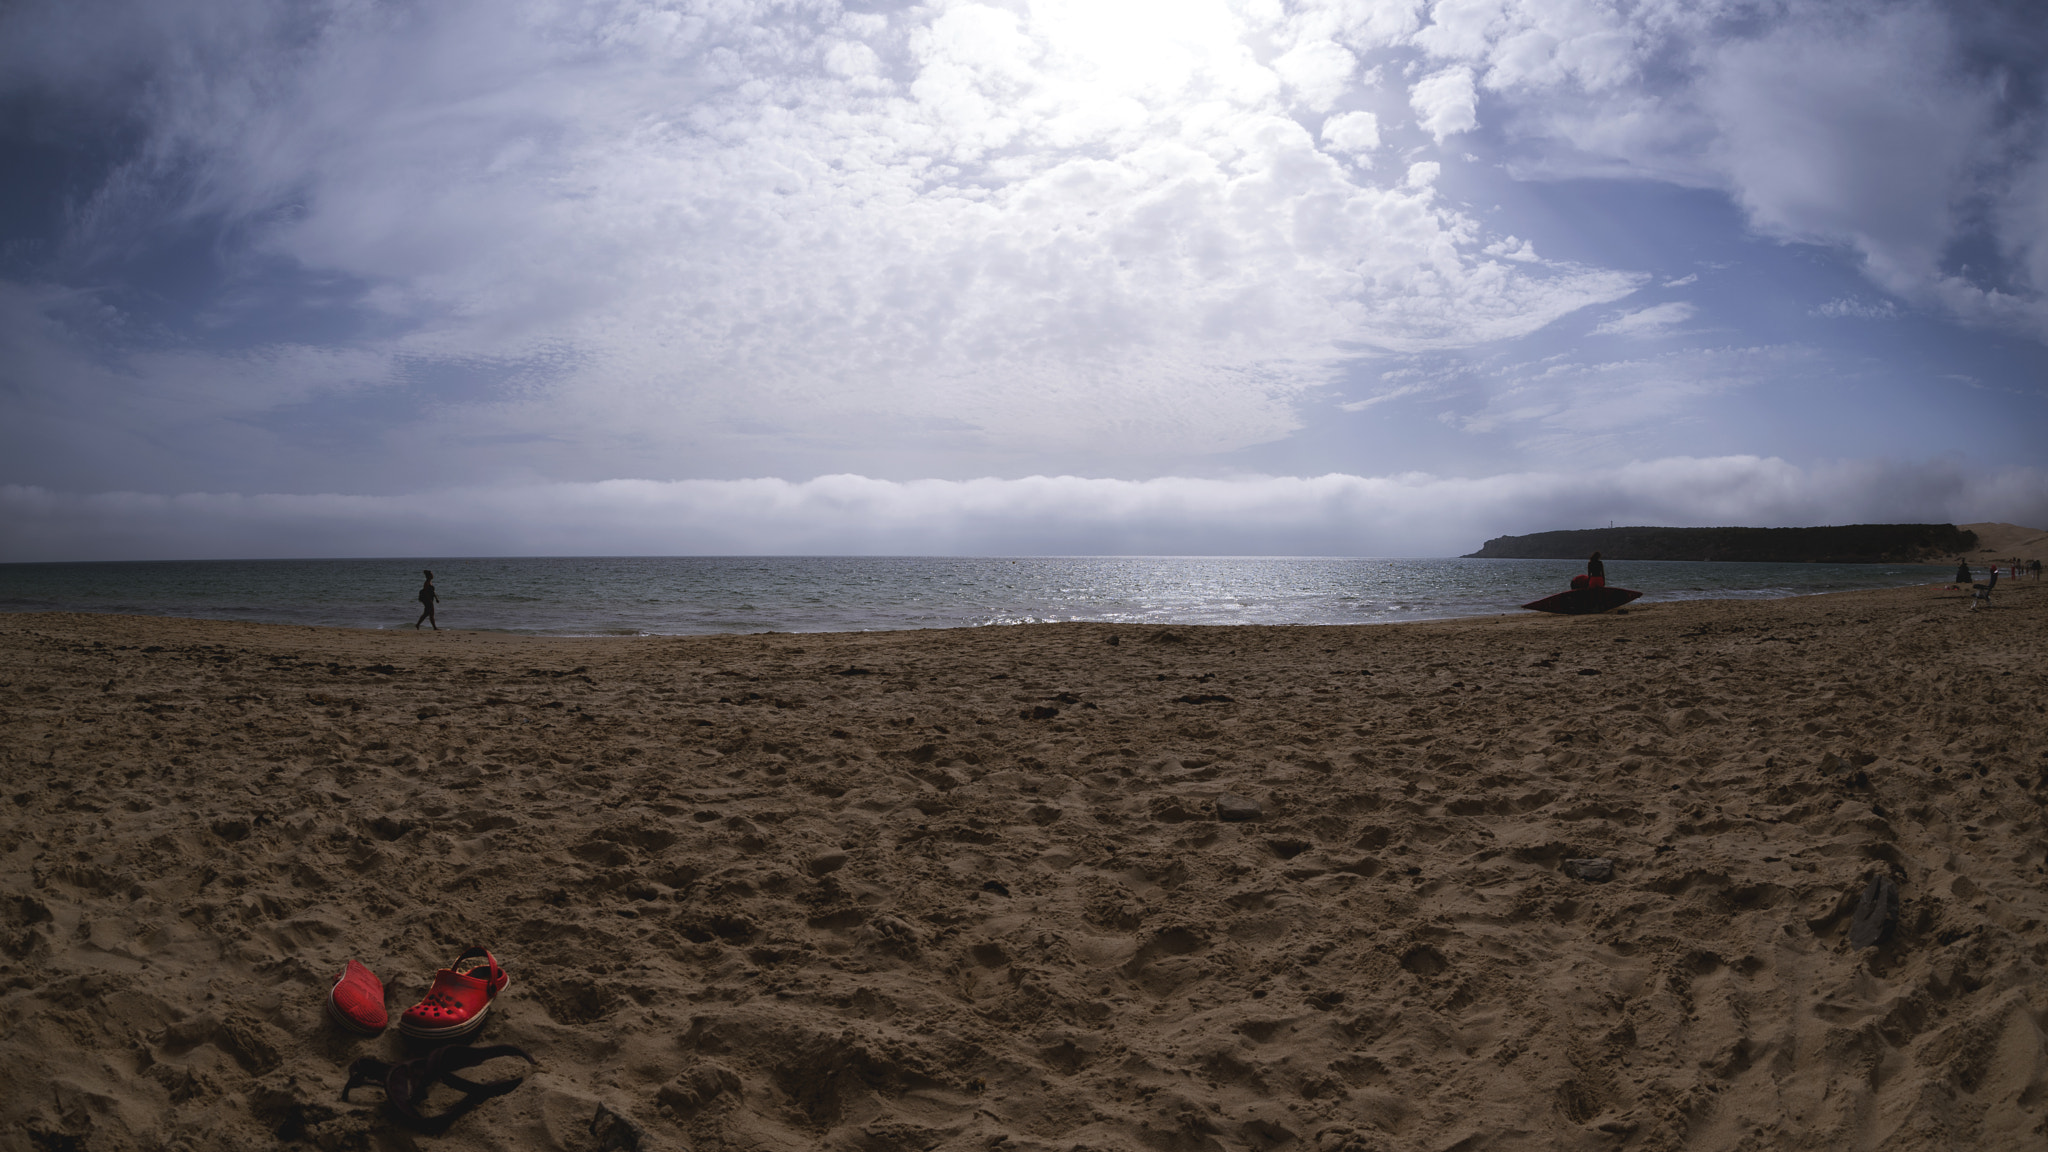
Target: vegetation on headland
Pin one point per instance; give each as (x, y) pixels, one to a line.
(1835, 544)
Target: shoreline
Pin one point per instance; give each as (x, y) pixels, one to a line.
(658, 598)
(954, 888)
(1637, 607)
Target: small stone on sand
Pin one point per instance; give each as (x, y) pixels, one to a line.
(1233, 808)
(1597, 869)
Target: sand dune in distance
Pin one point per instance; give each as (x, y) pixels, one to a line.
(2008, 541)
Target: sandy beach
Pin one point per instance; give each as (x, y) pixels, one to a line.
(1045, 887)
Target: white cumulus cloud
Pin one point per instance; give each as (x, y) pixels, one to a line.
(1445, 102)
(1354, 133)
(1903, 131)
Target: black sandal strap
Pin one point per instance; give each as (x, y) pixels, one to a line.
(406, 1084)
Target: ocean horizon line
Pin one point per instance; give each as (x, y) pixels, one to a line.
(682, 595)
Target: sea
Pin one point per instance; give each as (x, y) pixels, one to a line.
(668, 595)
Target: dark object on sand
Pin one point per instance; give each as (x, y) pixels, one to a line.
(614, 1132)
(1584, 601)
(1237, 808)
(826, 863)
(1876, 912)
(407, 1083)
(1597, 869)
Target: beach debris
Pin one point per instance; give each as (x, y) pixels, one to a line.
(1042, 712)
(614, 1132)
(1209, 698)
(1113, 641)
(855, 670)
(826, 862)
(1236, 809)
(1877, 911)
(1597, 869)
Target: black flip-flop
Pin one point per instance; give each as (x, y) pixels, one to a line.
(407, 1083)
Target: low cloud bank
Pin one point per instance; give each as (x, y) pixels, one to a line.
(1405, 515)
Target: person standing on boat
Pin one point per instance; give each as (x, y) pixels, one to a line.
(1596, 572)
(427, 598)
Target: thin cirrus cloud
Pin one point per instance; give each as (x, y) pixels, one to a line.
(1647, 321)
(1847, 308)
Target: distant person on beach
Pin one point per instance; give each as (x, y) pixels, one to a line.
(427, 599)
(1962, 571)
(1596, 572)
(1980, 594)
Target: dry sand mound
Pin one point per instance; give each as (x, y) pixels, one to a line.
(2008, 541)
(1062, 887)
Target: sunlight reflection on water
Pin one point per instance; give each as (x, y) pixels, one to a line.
(681, 595)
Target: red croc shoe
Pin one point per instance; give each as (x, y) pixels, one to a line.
(357, 1001)
(459, 999)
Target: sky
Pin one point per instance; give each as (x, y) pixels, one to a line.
(1356, 277)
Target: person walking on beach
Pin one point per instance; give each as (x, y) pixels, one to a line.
(1962, 571)
(427, 599)
(1596, 572)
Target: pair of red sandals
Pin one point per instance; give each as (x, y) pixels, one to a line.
(455, 1004)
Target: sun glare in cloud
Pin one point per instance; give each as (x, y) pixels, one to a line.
(1150, 50)
(1057, 228)
(566, 241)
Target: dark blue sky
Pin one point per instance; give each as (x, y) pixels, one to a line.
(398, 267)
